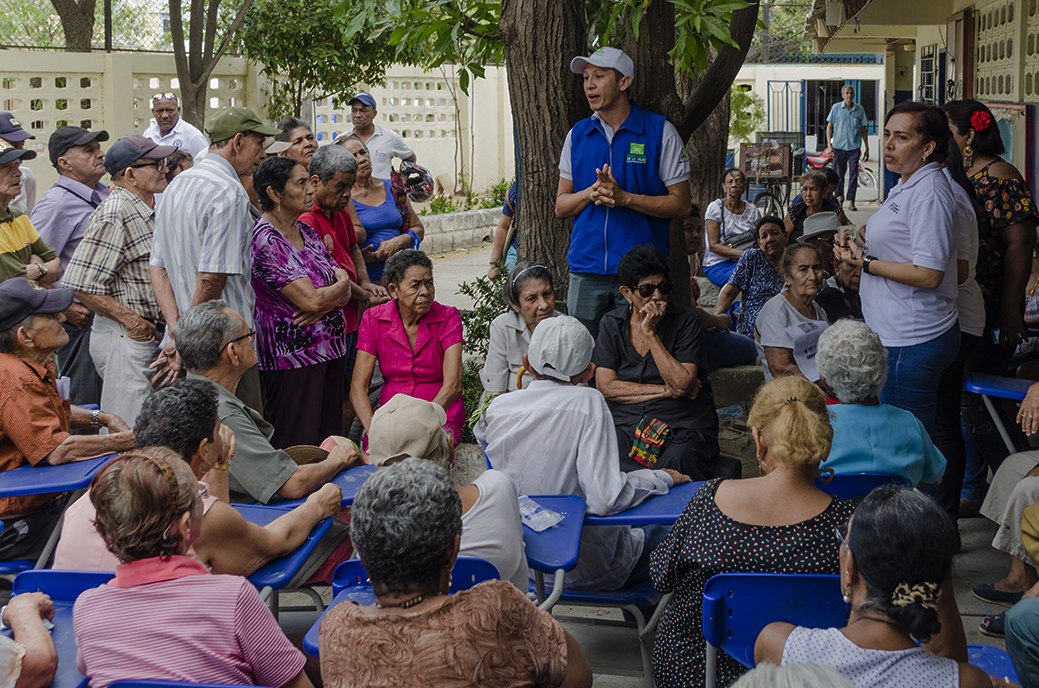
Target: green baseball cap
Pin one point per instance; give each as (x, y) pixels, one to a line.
(236, 120)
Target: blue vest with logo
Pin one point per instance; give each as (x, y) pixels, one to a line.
(602, 235)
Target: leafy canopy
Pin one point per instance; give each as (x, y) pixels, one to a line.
(305, 52)
(430, 33)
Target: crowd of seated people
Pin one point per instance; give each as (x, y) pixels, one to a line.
(272, 336)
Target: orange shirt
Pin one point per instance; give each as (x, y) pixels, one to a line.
(33, 422)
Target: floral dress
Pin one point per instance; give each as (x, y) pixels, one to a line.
(1004, 202)
(705, 542)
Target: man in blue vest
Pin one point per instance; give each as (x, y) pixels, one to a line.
(623, 176)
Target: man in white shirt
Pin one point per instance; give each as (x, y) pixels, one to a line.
(383, 144)
(202, 248)
(557, 437)
(170, 130)
(11, 131)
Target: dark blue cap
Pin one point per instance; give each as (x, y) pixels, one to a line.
(365, 98)
(19, 299)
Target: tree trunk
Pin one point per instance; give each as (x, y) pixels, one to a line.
(193, 102)
(77, 22)
(547, 101)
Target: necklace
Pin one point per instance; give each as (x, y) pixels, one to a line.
(407, 604)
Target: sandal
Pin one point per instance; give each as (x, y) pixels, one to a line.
(994, 625)
(988, 593)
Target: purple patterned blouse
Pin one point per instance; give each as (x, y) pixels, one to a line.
(281, 345)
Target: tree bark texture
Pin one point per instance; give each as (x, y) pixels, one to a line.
(540, 37)
(706, 149)
(77, 22)
(196, 63)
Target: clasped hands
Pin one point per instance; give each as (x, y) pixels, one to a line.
(605, 191)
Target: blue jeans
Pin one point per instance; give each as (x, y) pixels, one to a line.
(719, 273)
(913, 374)
(724, 349)
(592, 296)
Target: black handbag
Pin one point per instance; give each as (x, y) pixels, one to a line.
(741, 241)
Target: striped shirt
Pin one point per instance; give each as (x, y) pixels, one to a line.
(174, 621)
(112, 259)
(202, 224)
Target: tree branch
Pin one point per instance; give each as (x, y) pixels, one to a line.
(719, 77)
(231, 30)
(470, 26)
(177, 34)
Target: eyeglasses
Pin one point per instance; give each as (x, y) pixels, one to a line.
(203, 492)
(250, 334)
(159, 164)
(646, 290)
(840, 538)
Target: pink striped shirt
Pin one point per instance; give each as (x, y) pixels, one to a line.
(173, 620)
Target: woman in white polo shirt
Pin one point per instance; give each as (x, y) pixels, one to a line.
(908, 286)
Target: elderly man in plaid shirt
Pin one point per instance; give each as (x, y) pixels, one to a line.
(109, 273)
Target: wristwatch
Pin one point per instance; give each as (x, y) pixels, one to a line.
(865, 264)
(95, 418)
(43, 269)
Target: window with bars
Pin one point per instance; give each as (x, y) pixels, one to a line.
(929, 74)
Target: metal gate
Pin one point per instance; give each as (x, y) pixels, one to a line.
(785, 105)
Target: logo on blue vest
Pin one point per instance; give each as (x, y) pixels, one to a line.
(636, 153)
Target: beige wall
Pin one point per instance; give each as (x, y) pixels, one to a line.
(450, 132)
(103, 91)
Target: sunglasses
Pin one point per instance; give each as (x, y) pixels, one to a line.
(203, 492)
(250, 334)
(171, 96)
(646, 290)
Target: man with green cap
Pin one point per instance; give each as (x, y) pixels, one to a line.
(203, 234)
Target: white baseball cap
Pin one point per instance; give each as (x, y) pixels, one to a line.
(610, 58)
(560, 348)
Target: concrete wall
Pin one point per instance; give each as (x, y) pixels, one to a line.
(453, 231)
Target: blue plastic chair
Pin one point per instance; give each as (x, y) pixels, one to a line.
(466, 573)
(737, 606)
(350, 584)
(63, 587)
(857, 485)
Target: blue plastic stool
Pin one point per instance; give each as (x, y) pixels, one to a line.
(857, 485)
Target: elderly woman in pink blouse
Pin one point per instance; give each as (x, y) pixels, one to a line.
(416, 341)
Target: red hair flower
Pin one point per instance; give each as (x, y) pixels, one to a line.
(980, 121)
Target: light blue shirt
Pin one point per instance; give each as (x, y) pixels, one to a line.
(61, 216)
(202, 224)
(847, 126)
(882, 439)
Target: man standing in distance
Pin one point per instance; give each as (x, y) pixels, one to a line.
(845, 135)
(623, 175)
(109, 273)
(170, 130)
(203, 233)
(61, 217)
(383, 144)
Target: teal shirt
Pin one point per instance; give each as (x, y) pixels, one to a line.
(847, 126)
(882, 439)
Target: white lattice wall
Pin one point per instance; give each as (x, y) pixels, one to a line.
(999, 29)
(1031, 51)
(46, 91)
(422, 108)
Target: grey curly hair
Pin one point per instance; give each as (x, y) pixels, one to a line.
(852, 361)
(403, 524)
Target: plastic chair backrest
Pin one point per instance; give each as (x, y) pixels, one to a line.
(466, 573)
(736, 606)
(993, 661)
(62, 586)
(857, 485)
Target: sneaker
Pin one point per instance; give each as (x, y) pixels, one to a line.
(851, 206)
